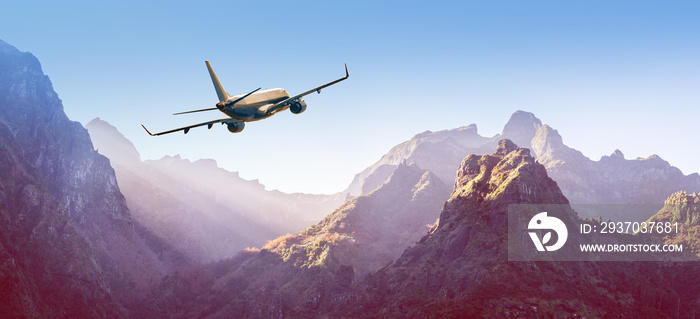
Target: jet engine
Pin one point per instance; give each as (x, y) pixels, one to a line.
(236, 127)
(298, 107)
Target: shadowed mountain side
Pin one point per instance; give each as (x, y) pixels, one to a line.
(70, 238)
(311, 272)
(369, 231)
(43, 258)
(460, 269)
(438, 152)
(205, 211)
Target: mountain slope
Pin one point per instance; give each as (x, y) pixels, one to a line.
(311, 272)
(460, 269)
(682, 210)
(369, 231)
(439, 152)
(611, 180)
(205, 211)
(74, 246)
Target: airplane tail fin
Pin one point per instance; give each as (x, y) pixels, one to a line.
(220, 92)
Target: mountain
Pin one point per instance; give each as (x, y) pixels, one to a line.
(369, 231)
(307, 273)
(69, 246)
(439, 152)
(460, 269)
(44, 258)
(611, 180)
(206, 212)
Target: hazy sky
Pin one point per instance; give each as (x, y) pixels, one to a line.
(605, 74)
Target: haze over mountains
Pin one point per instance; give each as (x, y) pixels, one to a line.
(211, 214)
(458, 269)
(163, 238)
(203, 210)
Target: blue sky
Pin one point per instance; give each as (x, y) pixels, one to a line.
(605, 74)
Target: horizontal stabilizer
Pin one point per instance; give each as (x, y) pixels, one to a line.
(195, 111)
(243, 97)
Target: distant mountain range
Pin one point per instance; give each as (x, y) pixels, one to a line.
(458, 269)
(206, 212)
(611, 180)
(211, 214)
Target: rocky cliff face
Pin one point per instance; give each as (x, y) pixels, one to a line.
(73, 242)
(47, 267)
(205, 211)
(682, 210)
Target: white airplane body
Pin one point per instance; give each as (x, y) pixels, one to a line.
(254, 106)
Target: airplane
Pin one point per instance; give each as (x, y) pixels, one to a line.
(250, 107)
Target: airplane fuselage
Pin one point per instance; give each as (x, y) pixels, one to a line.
(255, 106)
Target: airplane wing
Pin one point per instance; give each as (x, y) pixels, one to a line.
(187, 128)
(275, 108)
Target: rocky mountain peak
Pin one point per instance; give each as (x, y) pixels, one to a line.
(471, 128)
(550, 135)
(521, 128)
(469, 245)
(617, 154)
(682, 209)
(505, 146)
(509, 176)
(683, 198)
(120, 151)
(22, 78)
